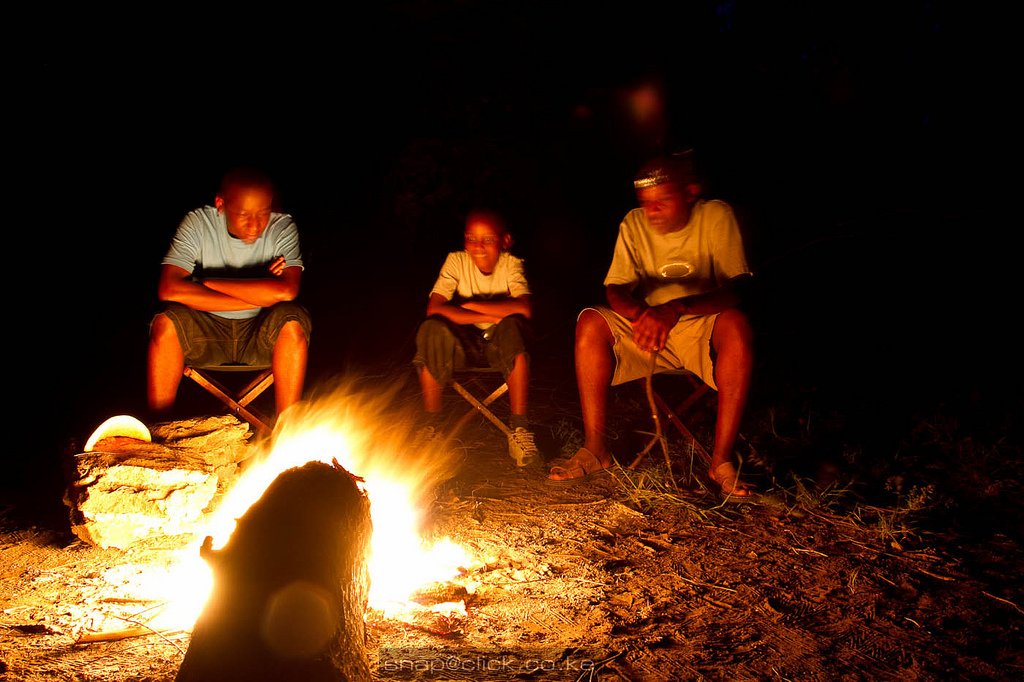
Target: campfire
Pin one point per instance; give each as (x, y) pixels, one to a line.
(187, 487)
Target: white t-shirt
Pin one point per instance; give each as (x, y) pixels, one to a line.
(699, 258)
(461, 278)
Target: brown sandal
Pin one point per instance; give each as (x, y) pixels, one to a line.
(580, 467)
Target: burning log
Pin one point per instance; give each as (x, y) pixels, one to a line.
(290, 586)
(123, 490)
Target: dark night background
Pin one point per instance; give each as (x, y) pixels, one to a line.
(863, 147)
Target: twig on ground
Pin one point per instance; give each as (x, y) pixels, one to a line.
(141, 629)
(594, 670)
(700, 583)
(114, 635)
(1005, 601)
(936, 575)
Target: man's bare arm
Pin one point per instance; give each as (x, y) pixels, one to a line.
(471, 312)
(261, 292)
(724, 297)
(622, 300)
(501, 308)
(227, 294)
(652, 324)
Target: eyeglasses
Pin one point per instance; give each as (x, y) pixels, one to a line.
(486, 241)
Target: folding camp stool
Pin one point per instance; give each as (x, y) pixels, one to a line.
(479, 377)
(237, 401)
(698, 390)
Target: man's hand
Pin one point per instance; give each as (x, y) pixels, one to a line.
(650, 330)
(276, 267)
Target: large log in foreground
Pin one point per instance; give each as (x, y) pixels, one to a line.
(290, 586)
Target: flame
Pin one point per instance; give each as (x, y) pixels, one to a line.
(366, 440)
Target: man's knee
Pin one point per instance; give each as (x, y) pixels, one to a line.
(432, 328)
(162, 329)
(292, 332)
(290, 320)
(160, 324)
(733, 326)
(512, 332)
(591, 327)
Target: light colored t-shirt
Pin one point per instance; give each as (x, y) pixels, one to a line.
(461, 278)
(203, 247)
(700, 257)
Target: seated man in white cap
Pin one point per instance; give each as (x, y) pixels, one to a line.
(672, 291)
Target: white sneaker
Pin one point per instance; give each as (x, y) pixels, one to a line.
(521, 447)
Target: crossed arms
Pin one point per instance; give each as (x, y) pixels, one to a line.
(478, 310)
(282, 284)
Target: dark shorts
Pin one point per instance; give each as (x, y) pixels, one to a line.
(210, 340)
(443, 346)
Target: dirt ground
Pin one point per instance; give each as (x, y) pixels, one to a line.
(625, 577)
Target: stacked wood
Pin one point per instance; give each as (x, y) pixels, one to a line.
(125, 490)
(290, 586)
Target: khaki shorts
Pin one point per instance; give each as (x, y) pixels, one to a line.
(688, 347)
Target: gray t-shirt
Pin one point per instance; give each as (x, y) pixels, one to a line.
(203, 247)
